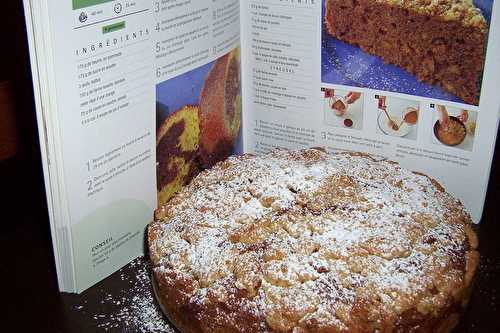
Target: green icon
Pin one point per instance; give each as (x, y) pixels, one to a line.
(113, 27)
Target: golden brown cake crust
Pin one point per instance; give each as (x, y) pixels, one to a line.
(304, 241)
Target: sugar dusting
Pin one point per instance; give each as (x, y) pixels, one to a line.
(136, 310)
(312, 236)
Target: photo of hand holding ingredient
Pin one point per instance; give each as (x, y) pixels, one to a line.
(343, 108)
(397, 117)
(454, 127)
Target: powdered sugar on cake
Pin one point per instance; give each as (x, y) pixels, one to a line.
(309, 239)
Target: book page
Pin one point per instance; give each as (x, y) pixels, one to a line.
(415, 84)
(128, 77)
(198, 89)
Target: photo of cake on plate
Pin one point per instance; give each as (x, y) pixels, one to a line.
(198, 117)
(433, 49)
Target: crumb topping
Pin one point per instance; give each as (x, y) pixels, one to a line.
(449, 10)
(308, 239)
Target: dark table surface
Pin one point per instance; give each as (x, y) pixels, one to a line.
(32, 301)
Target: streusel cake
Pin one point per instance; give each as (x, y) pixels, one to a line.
(440, 42)
(305, 241)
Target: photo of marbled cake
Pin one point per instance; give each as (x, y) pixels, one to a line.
(176, 150)
(440, 42)
(198, 116)
(305, 241)
(220, 110)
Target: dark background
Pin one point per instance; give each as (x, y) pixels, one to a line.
(29, 289)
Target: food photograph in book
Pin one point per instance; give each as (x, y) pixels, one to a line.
(343, 108)
(397, 117)
(453, 127)
(435, 50)
(198, 116)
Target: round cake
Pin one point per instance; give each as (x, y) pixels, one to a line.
(305, 241)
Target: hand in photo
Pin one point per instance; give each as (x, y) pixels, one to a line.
(397, 117)
(443, 117)
(329, 92)
(463, 116)
(381, 103)
(343, 108)
(352, 97)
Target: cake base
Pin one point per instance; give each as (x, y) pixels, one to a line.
(158, 300)
(447, 324)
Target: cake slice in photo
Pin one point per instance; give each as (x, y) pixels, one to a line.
(440, 42)
(176, 152)
(220, 110)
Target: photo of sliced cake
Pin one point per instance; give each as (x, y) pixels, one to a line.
(220, 109)
(198, 116)
(176, 152)
(441, 43)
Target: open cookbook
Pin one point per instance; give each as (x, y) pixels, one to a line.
(134, 98)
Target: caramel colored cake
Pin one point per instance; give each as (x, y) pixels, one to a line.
(441, 42)
(176, 151)
(220, 109)
(305, 241)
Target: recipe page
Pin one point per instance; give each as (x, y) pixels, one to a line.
(128, 78)
(417, 90)
(281, 74)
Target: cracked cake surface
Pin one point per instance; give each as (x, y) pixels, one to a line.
(305, 241)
